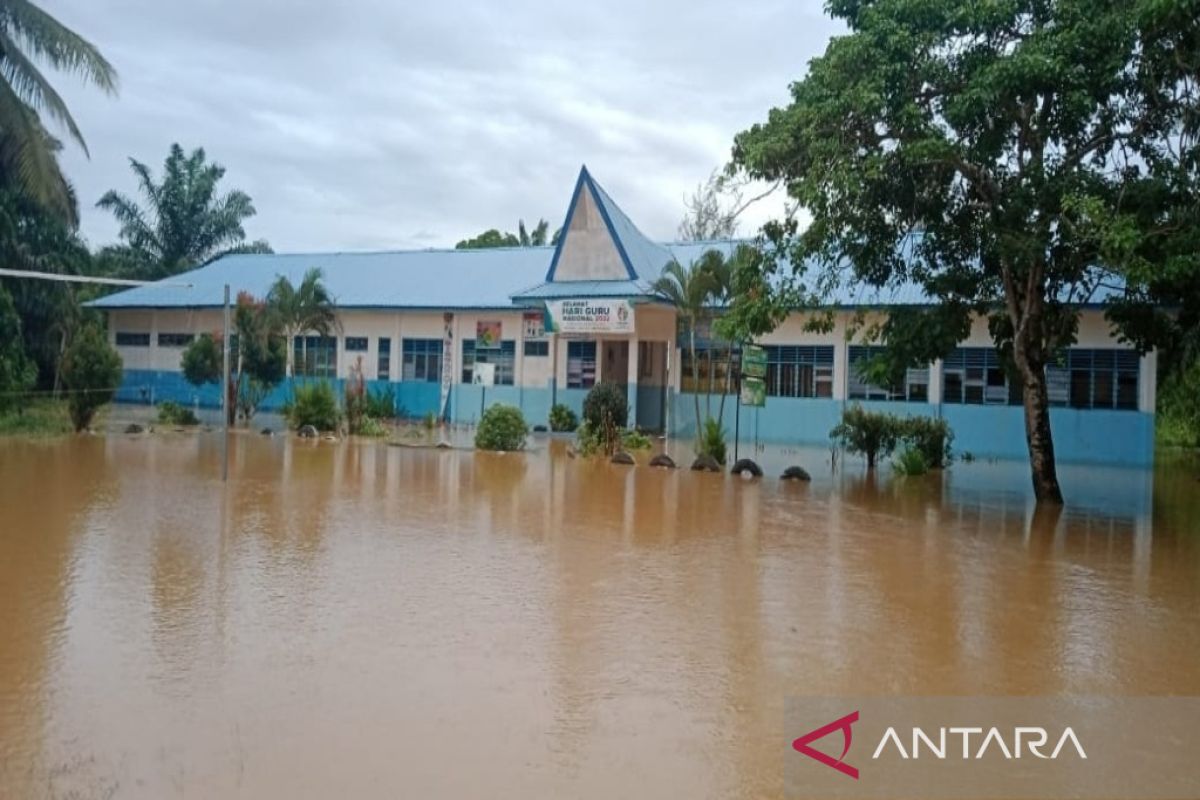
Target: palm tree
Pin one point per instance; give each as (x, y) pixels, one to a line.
(185, 222)
(309, 308)
(28, 153)
(720, 270)
(689, 289)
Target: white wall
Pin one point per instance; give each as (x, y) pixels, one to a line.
(653, 322)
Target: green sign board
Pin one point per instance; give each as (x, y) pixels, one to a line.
(754, 361)
(754, 392)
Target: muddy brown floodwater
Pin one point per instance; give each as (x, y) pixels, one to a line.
(357, 620)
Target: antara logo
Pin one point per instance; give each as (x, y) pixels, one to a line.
(801, 745)
(938, 745)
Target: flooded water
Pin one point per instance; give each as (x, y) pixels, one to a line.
(358, 620)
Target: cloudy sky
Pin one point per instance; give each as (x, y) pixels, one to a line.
(371, 124)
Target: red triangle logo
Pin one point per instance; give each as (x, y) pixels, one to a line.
(801, 745)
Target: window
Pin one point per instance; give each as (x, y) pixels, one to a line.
(127, 339)
(799, 370)
(1096, 378)
(315, 356)
(356, 344)
(175, 339)
(383, 370)
(537, 347)
(914, 387)
(581, 365)
(503, 357)
(976, 376)
(708, 374)
(422, 360)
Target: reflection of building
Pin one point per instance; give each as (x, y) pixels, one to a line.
(421, 320)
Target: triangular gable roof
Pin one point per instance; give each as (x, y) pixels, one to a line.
(642, 258)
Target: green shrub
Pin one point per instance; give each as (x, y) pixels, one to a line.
(501, 428)
(429, 421)
(17, 371)
(931, 437)
(172, 413)
(313, 404)
(1178, 419)
(606, 404)
(562, 418)
(369, 426)
(635, 440)
(910, 461)
(587, 439)
(712, 440)
(381, 403)
(91, 372)
(868, 433)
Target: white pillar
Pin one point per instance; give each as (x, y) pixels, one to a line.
(935, 383)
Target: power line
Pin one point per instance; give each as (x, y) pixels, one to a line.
(54, 276)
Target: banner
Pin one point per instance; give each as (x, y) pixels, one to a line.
(754, 392)
(487, 334)
(589, 316)
(754, 361)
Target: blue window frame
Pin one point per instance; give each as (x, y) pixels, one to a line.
(421, 360)
(799, 370)
(504, 357)
(130, 339)
(711, 372)
(1096, 378)
(175, 339)
(581, 365)
(383, 367)
(315, 356)
(537, 347)
(914, 387)
(356, 344)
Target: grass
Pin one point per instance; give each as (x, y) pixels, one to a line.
(39, 418)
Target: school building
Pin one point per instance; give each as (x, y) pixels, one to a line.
(554, 321)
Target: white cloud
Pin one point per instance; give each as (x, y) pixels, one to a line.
(373, 124)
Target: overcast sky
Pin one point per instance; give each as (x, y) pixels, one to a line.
(374, 124)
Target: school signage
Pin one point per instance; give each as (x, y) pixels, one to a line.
(589, 316)
(754, 369)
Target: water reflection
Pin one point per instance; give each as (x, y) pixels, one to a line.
(345, 617)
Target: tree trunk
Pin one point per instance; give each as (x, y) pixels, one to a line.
(1038, 435)
(695, 382)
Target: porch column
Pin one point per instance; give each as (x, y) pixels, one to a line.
(631, 392)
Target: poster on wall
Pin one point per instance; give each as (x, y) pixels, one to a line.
(534, 324)
(447, 364)
(487, 334)
(589, 316)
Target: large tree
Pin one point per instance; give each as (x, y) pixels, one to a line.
(28, 152)
(952, 144)
(184, 222)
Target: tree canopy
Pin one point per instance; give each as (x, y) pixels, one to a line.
(184, 221)
(968, 148)
(522, 238)
(28, 152)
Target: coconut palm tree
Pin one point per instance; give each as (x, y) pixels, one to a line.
(689, 289)
(721, 270)
(185, 222)
(28, 153)
(309, 308)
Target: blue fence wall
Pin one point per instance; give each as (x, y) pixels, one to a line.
(1086, 436)
(1080, 435)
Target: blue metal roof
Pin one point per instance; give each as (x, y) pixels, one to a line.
(465, 279)
(434, 279)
